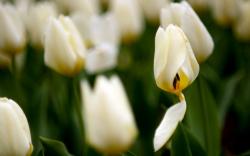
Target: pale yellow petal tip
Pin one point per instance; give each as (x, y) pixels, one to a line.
(30, 150)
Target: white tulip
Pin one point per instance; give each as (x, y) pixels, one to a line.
(38, 18)
(129, 16)
(225, 12)
(109, 122)
(184, 16)
(175, 66)
(104, 29)
(242, 24)
(169, 123)
(64, 49)
(12, 32)
(101, 58)
(151, 8)
(15, 138)
(82, 22)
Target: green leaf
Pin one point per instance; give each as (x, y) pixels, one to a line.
(184, 144)
(202, 116)
(54, 147)
(228, 91)
(245, 154)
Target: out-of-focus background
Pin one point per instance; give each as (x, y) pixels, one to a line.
(217, 121)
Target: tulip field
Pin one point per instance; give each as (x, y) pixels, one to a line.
(124, 78)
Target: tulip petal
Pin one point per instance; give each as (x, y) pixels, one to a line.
(169, 123)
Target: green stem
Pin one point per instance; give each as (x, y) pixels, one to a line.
(78, 109)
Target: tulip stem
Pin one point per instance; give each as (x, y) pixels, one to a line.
(78, 109)
(181, 96)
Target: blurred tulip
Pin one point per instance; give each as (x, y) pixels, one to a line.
(151, 8)
(129, 17)
(184, 16)
(37, 21)
(12, 32)
(82, 22)
(15, 136)
(64, 50)
(225, 12)
(100, 58)
(169, 123)
(175, 66)
(242, 24)
(104, 29)
(109, 122)
(199, 5)
(89, 7)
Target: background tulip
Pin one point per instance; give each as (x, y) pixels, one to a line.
(109, 122)
(12, 32)
(64, 49)
(15, 136)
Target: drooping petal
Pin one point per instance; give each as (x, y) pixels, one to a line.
(169, 123)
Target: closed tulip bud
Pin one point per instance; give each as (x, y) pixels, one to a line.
(175, 66)
(169, 123)
(183, 15)
(15, 136)
(151, 8)
(242, 25)
(109, 122)
(64, 49)
(101, 58)
(129, 17)
(225, 12)
(37, 21)
(12, 32)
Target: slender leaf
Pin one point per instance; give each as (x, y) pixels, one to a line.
(184, 144)
(54, 147)
(202, 116)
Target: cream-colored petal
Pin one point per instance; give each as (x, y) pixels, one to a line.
(169, 123)
(200, 39)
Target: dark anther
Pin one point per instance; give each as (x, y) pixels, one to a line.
(176, 79)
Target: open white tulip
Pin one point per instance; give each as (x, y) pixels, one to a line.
(64, 49)
(169, 123)
(151, 8)
(15, 136)
(175, 66)
(129, 16)
(242, 24)
(12, 32)
(109, 122)
(100, 58)
(183, 15)
(225, 12)
(38, 18)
